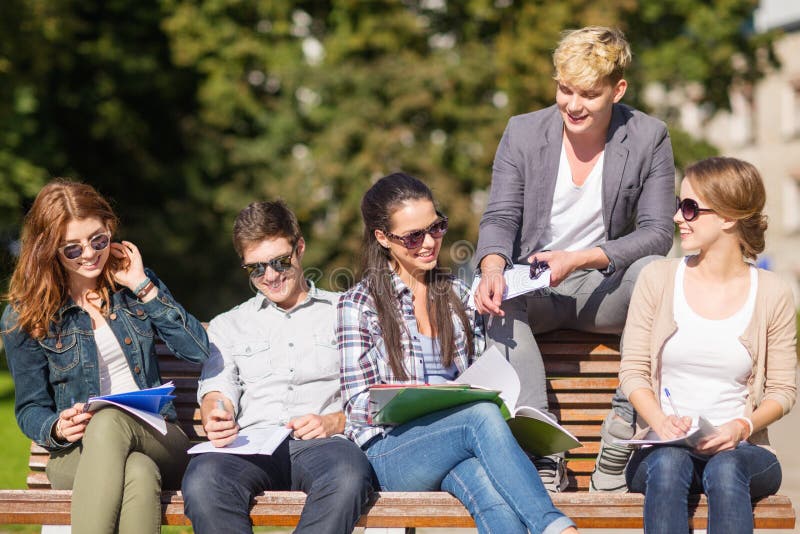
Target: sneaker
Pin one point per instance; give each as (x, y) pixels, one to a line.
(553, 472)
(609, 468)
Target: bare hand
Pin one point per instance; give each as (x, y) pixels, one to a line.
(71, 423)
(489, 295)
(133, 274)
(672, 427)
(727, 438)
(220, 427)
(312, 426)
(561, 264)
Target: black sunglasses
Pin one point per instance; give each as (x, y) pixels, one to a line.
(99, 242)
(417, 237)
(279, 265)
(689, 208)
(537, 268)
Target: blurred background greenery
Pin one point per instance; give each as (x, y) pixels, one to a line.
(184, 111)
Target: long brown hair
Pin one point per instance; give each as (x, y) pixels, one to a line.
(39, 283)
(734, 189)
(377, 207)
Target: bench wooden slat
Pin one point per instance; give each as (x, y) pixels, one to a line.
(395, 509)
(580, 367)
(583, 383)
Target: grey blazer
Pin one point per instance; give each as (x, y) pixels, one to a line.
(638, 187)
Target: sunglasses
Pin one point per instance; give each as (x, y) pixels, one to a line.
(537, 268)
(417, 237)
(689, 208)
(279, 265)
(98, 242)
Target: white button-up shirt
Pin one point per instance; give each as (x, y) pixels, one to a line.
(275, 364)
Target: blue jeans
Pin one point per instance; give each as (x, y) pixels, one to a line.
(469, 452)
(730, 479)
(333, 472)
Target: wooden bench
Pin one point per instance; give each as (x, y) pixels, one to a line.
(583, 370)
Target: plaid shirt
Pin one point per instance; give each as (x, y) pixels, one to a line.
(364, 358)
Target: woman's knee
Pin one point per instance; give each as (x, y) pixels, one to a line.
(105, 424)
(485, 413)
(142, 472)
(668, 468)
(725, 472)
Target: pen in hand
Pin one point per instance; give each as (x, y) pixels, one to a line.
(682, 423)
(672, 404)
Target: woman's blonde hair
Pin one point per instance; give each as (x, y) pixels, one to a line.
(733, 189)
(38, 285)
(591, 55)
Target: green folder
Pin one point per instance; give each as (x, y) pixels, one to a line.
(539, 437)
(395, 405)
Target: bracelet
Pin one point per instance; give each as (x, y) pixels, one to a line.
(59, 434)
(747, 425)
(142, 290)
(142, 285)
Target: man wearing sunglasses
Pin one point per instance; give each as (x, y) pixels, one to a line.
(274, 361)
(586, 186)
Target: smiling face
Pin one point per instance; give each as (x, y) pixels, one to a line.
(707, 229)
(89, 265)
(587, 111)
(286, 289)
(412, 215)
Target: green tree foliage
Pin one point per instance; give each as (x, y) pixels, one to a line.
(184, 111)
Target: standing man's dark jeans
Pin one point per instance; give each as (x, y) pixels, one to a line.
(333, 472)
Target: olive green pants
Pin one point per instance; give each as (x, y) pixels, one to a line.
(116, 472)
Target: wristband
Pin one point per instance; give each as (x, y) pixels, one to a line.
(747, 424)
(145, 289)
(142, 285)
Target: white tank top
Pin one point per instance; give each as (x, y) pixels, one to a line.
(115, 374)
(704, 365)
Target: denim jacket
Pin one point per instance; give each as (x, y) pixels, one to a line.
(52, 373)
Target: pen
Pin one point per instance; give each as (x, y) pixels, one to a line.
(221, 405)
(669, 398)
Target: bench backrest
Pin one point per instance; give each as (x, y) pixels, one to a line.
(582, 370)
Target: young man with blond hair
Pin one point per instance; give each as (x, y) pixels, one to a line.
(588, 186)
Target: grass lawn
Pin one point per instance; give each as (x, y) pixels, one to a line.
(14, 464)
(16, 446)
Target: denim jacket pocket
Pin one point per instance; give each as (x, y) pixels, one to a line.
(61, 351)
(252, 360)
(139, 320)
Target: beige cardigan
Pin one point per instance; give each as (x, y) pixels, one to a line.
(770, 338)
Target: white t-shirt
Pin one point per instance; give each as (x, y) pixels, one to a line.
(576, 220)
(704, 365)
(115, 374)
